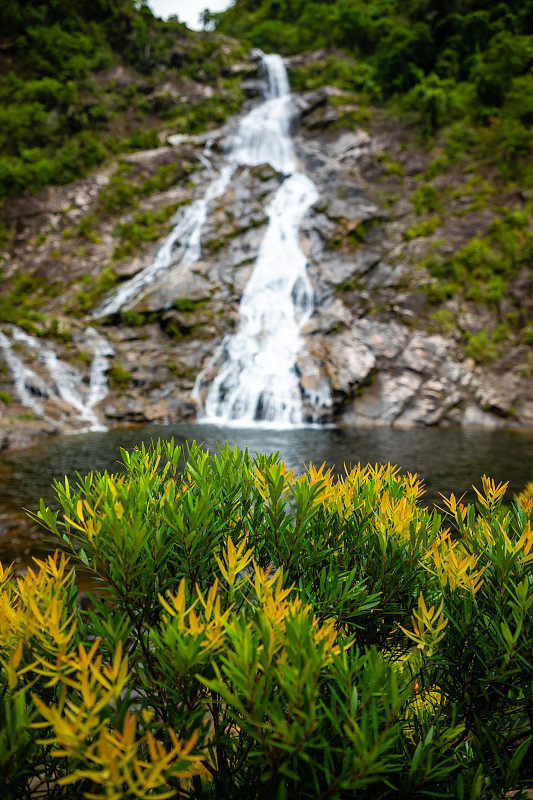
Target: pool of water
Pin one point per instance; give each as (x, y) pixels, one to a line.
(448, 460)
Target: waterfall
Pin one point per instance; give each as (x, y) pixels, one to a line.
(257, 380)
(262, 137)
(58, 381)
(182, 246)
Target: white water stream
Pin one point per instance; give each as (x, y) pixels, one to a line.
(182, 246)
(258, 381)
(60, 381)
(263, 137)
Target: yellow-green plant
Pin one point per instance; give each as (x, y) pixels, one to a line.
(256, 634)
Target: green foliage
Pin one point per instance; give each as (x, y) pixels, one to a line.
(85, 229)
(5, 397)
(129, 183)
(19, 297)
(87, 298)
(333, 70)
(438, 101)
(481, 347)
(133, 318)
(443, 321)
(425, 228)
(261, 635)
(214, 110)
(118, 376)
(187, 305)
(403, 56)
(146, 226)
(482, 268)
(60, 116)
(84, 357)
(393, 168)
(426, 199)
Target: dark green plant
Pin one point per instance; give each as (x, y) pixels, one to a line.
(187, 305)
(481, 347)
(425, 228)
(97, 288)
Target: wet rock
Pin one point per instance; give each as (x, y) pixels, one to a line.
(175, 284)
(388, 276)
(424, 354)
(157, 412)
(316, 111)
(348, 361)
(431, 403)
(21, 433)
(384, 401)
(350, 146)
(498, 394)
(524, 412)
(354, 207)
(475, 417)
(127, 408)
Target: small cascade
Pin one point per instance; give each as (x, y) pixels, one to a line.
(58, 381)
(264, 135)
(257, 380)
(30, 386)
(182, 246)
(98, 385)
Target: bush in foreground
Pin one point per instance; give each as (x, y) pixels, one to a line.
(261, 635)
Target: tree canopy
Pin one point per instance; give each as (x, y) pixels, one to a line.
(487, 44)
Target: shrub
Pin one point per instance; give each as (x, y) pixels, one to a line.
(101, 284)
(402, 56)
(481, 347)
(426, 199)
(145, 226)
(425, 228)
(438, 100)
(263, 635)
(118, 376)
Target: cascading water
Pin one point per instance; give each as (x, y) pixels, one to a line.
(182, 246)
(263, 136)
(62, 381)
(257, 382)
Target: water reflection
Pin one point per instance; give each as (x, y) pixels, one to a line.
(447, 459)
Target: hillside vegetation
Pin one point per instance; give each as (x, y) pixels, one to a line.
(77, 84)
(449, 60)
(458, 75)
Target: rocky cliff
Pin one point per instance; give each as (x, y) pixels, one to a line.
(394, 348)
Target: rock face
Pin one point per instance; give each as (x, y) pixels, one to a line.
(370, 336)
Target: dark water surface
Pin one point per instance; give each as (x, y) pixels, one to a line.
(448, 460)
